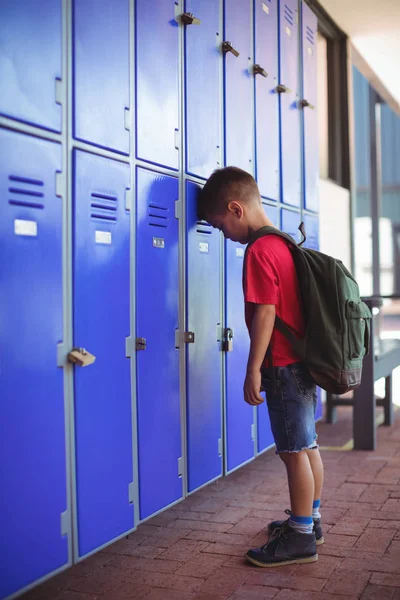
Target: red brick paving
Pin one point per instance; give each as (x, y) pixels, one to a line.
(194, 551)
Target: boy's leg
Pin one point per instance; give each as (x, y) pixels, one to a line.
(301, 482)
(317, 470)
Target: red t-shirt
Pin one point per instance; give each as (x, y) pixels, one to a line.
(269, 277)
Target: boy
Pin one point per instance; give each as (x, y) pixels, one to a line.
(231, 202)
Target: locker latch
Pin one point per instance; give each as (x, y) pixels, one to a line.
(141, 344)
(189, 19)
(227, 344)
(188, 337)
(258, 70)
(81, 357)
(227, 47)
(282, 89)
(304, 103)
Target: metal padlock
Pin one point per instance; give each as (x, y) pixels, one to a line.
(227, 344)
(81, 357)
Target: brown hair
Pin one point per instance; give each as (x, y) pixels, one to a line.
(225, 185)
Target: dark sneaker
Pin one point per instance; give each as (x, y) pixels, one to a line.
(285, 547)
(317, 528)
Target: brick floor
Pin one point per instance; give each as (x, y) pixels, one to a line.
(194, 551)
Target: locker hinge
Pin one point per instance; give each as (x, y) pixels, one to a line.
(140, 344)
(177, 209)
(188, 18)
(253, 432)
(64, 523)
(177, 339)
(131, 493)
(177, 144)
(127, 119)
(60, 184)
(180, 467)
(130, 344)
(188, 337)
(128, 199)
(61, 354)
(59, 91)
(220, 447)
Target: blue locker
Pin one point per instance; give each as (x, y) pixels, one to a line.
(238, 86)
(290, 102)
(290, 223)
(101, 73)
(204, 358)
(30, 61)
(32, 427)
(311, 225)
(267, 100)
(309, 24)
(265, 438)
(101, 291)
(157, 94)
(203, 88)
(239, 416)
(157, 290)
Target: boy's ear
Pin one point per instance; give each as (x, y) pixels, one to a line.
(235, 208)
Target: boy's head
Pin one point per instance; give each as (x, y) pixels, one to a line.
(228, 202)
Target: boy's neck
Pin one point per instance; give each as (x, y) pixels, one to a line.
(259, 220)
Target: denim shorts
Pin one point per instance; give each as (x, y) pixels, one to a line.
(291, 401)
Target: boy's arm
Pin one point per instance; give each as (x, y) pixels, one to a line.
(260, 335)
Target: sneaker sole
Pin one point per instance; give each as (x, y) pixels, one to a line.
(298, 561)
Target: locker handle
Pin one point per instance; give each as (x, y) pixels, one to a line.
(189, 19)
(141, 344)
(304, 103)
(282, 89)
(258, 70)
(227, 47)
(227, 344)
(81, 357)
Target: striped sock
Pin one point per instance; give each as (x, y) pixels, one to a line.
(315, 509)
(301, 524)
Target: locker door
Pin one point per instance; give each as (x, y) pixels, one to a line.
(310, 122)
(290, 223)
(239, 416)
(267, 100)
(157, 290)
(32, 427)
(238, 83)
(289, 102)
(202, 87)
(101, 73)
(103, 411)
(265, 438)
(311, 225)
(157, 98)
(204, 357)
(30, 61)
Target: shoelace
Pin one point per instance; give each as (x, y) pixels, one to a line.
(277, 533)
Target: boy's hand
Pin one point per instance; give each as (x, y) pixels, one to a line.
(251, 389)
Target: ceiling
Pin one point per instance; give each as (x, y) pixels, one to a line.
(374, 28)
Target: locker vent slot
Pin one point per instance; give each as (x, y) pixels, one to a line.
(310, 35)
(158, 216)
(107, 208)
(289, 16)
(204, 227)
(21, 191)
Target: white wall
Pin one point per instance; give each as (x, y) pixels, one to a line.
(335, 221)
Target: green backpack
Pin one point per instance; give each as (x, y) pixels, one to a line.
(337, 322)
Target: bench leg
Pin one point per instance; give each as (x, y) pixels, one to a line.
(364, 412)
(387, 402)
(331, 412)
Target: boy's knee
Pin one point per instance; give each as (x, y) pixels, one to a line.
(290, 458)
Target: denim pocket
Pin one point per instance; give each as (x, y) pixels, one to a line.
(304, 382)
